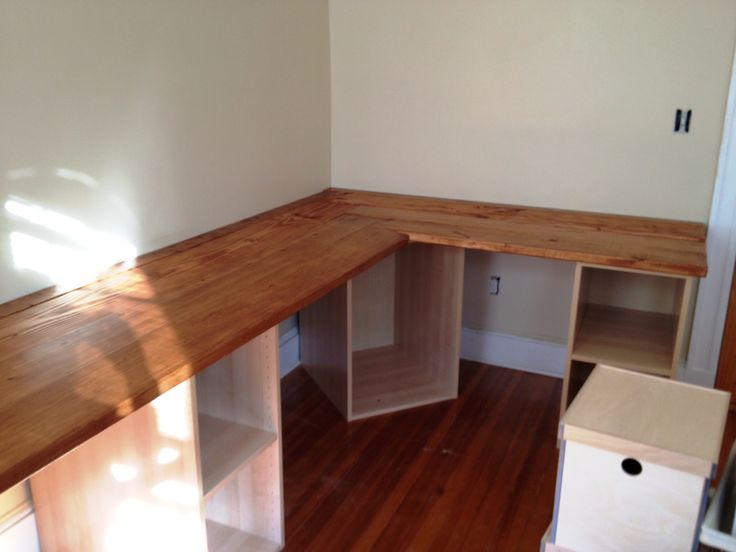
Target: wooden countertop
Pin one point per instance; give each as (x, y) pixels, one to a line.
(73, 364)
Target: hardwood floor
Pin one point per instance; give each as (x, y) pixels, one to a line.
(477, 473)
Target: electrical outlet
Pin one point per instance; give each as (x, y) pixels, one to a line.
(495, 285)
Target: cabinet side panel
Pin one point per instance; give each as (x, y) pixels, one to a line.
(252, 501)
(428, 308)
(135, 486)
(325, 337)
(239, 388)
(373, 293)
(579, 292)
(684, 311)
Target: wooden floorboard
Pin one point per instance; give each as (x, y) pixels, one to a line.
(477, 473)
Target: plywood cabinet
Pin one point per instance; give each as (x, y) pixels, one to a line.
(389, 339)
(629, 319)
(636, 457)
(197, 469)
(239, 428)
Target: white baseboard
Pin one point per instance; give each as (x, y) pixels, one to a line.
(289, 351)
(21, 534)
(511, 351)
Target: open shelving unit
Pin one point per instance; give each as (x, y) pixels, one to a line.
(199, 468)
(239, 444)
(625, 318)
(226, 447)
(628, 338)
(389, 339)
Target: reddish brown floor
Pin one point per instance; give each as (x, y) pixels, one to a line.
(477, 473)
(729, 436)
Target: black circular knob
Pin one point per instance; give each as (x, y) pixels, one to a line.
(631, 466)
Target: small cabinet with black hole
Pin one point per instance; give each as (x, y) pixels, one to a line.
(636, 458)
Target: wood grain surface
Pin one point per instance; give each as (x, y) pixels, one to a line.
(73, 363)
(477, 473)
(677, 418)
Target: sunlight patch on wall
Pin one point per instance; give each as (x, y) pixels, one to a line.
(82, 254)
(77, 176)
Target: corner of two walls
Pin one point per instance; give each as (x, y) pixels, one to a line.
(131, 126)
(526, 102)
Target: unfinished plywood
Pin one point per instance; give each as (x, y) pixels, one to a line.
(636, 457)
(416, 362)
(251, 503)
(389, 379)
(633, 339)
(602, 508)
(226, 447)
(135, 486)
(239, 427)
(571, 380)
(604, 328)
(670, 416)
(237, 409)
(374, 298)
(325, 335)
(223, 538)
(421, 366)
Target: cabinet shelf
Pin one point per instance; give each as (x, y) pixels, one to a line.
(222, 538)
(626, 338)
(226, 447)
(386, 379)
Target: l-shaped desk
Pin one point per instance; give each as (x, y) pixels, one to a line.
(73, 364)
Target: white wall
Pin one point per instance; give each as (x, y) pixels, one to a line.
(126, 126)
(565, 104)
(534, 299)
(141, 123)
(561, 104)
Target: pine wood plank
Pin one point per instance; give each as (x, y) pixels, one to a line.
(114, 351)
(546, 239)
(621, 224)
(74, 362)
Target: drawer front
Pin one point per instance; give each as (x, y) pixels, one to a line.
(602, 507)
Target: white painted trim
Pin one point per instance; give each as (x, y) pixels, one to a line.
(289, 357)
(714, 289)
(511, 351)
(21, 535)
